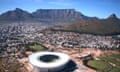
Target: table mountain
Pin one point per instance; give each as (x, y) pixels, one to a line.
(44, 15)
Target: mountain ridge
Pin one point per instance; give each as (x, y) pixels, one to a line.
(15, 15)
(51, 15)
(45, 14)
(70, 19)
(108, 26)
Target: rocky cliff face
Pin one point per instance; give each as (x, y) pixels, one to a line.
(44, 15)
(15, 15)
(58, 14)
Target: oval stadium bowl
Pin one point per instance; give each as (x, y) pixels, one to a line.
(48, 61)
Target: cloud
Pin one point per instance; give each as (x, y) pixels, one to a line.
(60, 2)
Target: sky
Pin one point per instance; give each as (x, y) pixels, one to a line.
(92, 8)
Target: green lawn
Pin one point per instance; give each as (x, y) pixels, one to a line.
(112, 58)
(36, 48)
(99, 65)
(116, 69)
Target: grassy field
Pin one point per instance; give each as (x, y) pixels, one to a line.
(35, 48)
(104, 63)
(112, 58)
(98, 65)
(116, 69)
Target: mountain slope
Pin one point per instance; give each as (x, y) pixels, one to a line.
(111, 25)
(49, 16)
(15, 15)
(58, 15)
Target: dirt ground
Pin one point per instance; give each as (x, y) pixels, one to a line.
(6, 66)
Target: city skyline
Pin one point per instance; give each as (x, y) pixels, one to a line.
(91, 8)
